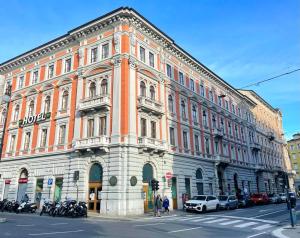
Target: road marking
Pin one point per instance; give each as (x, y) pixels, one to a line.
(246, 218)
(266, 214)
(203, 219)
(264, 210)
(188, 229)
(277, 232)
(57, 224)
(217, 220)
(152, 224)
(26, 225)
(149, 218)
(262, 227)
(246, 224)
(256, 234)
(230, 222)
(190, 218)
(53, 233)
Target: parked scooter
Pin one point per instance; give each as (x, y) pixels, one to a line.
(48, 207)
(80, 209)
(26, 207)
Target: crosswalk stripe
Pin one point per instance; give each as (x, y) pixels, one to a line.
(217, 220)
(230, 222)
(203, 219)
(185, 219)
(246, 224)
(262, 227)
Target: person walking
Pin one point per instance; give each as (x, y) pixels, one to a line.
(158, 205)
(166, 204)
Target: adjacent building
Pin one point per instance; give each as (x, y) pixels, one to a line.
(100, 111)
(294, 152)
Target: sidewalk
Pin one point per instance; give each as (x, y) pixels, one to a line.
(287, 232)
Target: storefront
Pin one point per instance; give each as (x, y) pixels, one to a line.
(22, 185)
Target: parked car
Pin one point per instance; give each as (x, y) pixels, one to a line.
(259, 198)
(244, 201)
(283, 197)
(228, 202)
(274, 198)
(202, 203)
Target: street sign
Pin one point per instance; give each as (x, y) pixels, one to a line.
(50, 182)
(169, 175)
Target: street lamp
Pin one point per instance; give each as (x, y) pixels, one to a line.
(6, 99)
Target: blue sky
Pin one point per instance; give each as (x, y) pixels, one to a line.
(242, 41)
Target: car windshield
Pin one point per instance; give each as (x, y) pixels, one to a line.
(223, 198)
(201, 198)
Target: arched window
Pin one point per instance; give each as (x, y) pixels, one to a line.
(92, 90)
(24, 174)
(199, 174)
(152, 92)
(96, 173)
(194, 112)
(183, 112)
(147, 173)
(170, 103)
(47, 104)
(214, 121)
(199, 181)
(142, 89)
(65, 99)
(16, 112)
(104, 88)
(31, 108)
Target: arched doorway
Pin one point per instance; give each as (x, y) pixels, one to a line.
(148, 193)
(95, 187)
(257, 183)
(22, 187)
(236, 183)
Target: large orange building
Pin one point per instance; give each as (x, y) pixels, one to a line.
(98, 112)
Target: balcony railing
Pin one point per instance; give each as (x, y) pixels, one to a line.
(218, 133)
(255, 146)
(222, 159)
(150, 105)
(151, 144)
(96, 102)
(100, 142)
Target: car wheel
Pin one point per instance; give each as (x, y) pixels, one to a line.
(227, 207)
(217, 207)
(204, 209)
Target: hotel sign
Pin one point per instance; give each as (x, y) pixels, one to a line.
(34, 119)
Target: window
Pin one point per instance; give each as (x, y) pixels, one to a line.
(199, 181)
(94, 54)
(44, 137)
(35, 76)
(169, 71)
(50, 71)
(153, 129)
(233, 109)
(68, 65)
(105, 51)
(62, 134)
(242, 133)
(211, 96)
(204, 118)
(170, 103)
(142, 54)
(12, 143)
(16, 112)
(142, 89)
(102, 126)
(92, 90)
(220, 101)
(185, 140)
(217, 147)
(181, 79)
(236, 131)
(152, 93)
(90, 127)
(197, 145)
(104, 87)
(21, 82)
(65, 99)
(27, 140)
(194, 113)
(239, 112)
(207, 145)
(226, 105)
(143, 127)
(202, 90)
(192, 85)
(183, 112)
(172, 136)
(151, 59)
(214, 122)
(222, 124)
(225, 151)
(229, 128)
(31, 108)
(47, 104)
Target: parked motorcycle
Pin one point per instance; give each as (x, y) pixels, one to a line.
(48, 207)
(26, 207)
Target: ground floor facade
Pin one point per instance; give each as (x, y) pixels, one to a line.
(118, 181)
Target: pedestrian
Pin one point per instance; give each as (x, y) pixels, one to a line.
(166, 204)
(158, 205)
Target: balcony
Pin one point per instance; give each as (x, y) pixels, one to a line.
(222, 161)
(98, 142)
(271, 136)
(93, 103)
(151, 145)
(255, 146)
(218, 133)
(150, 105)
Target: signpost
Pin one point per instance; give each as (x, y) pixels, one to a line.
(50, 182)
(169, 175)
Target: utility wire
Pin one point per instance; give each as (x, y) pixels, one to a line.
(262, 81)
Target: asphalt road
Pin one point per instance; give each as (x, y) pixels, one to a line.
(252, 222)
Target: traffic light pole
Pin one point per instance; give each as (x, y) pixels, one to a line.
(288, 200)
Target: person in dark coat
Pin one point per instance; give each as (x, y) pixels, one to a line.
(166, 204)
(158, 205)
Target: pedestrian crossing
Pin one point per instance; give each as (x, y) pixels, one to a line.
(219, 221)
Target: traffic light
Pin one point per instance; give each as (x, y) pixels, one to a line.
(153, 184)
(156, 185)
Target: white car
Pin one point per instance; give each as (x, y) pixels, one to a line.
(282, 197)
(202, 203)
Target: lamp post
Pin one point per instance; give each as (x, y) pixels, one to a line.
(6, 99)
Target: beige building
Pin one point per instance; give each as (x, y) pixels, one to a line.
(294, 152)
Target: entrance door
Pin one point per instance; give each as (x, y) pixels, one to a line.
(94, 203)
(21, 191)
(38, 191)
(148, 198)
(58, 189)
(174, 192)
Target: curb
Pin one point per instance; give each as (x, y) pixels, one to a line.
(277, 233)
